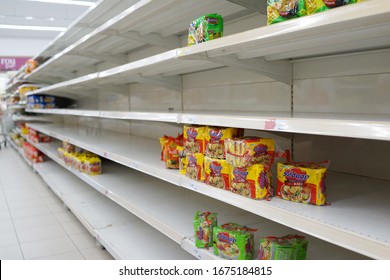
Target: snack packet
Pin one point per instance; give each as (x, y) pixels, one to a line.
(193, 165)
(215, 140)
(182, 160)
(94, 165)
(194, 139)
(246, 151)
(302, 182)
(315, 6)
(254, 182)
(171, 155)
(289, 247)
(233, 241)
(217, 173)
(204, 223)
(282, 10)
(205, 28)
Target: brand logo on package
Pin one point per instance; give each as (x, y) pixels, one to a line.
(260, 149)
(216, 168)
(12, 63)
(240, 175)
(215, 136)
(295, 175)
(225, 237)
(192, 133)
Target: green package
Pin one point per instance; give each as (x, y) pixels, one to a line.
(233, 241)
(289, 247)
(315, 6)
(205, 28)
(282, 10)
(204, 223)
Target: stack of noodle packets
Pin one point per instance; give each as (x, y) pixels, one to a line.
(170, 148)
(204, 224)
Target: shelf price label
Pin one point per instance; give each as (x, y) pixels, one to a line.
(270, 124)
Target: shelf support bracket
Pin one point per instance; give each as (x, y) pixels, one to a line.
(278, 70)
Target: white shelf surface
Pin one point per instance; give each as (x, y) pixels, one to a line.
(344, 223)
(121, 233)
(22, 118)
(156, 202)
(334, 31)
(132, 29)
(364, 126)
(130, 115)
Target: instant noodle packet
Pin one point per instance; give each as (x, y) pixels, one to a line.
(233, 241)
(193, 165)
(215, 140)
(289, 247)
(315, 6)
(217, 173)
(205, 28)
(254, 182)
(246, 151)
(171, 155)
(94, 165)
(194, 139)
(302, 182)
(204, 223)
(282, 10)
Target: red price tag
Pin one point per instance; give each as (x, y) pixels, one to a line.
(270, 124)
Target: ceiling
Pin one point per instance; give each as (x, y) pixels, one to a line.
(38, 13)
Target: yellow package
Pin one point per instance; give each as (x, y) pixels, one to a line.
(215, 140)
(302, 182)
(94, 165)
(246, 151)
(216, 173)
(282, 10)
(193, 165)
(194, 139)
(254, 182)
(60, 153)
(315, 6)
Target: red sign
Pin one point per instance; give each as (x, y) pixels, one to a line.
(12, 63)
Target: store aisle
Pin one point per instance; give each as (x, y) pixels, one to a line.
(34, 224)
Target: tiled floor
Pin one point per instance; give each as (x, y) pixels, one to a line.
(34, 224)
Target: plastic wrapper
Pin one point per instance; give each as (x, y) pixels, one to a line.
(302, 182)
(215, 140)
(205, 28)
(289, 247)
(194, 139)
(233, 241)
(94, 165)
(282, 10)
(204, 223)
(254, 182)
(246, 151)
(193, 165)
(31, 64)
(68, 147)
(217, 173)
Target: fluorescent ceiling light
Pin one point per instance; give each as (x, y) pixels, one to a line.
(31, 27)
(66, 2)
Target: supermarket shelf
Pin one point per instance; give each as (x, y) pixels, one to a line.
(149, 116)
(156, 202)
(22, 118)
(132, 29)
(13, 145)
(17, 106)
(332, 32)
(114, 227)
(375, 127)
(336, 223)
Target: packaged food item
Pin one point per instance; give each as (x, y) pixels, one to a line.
(217, 173)
(31, 64)
(246, 151)
(215, 140)
(94, 165)
(302, 182)
(193, 165)
(204, 223)
(68, 147)
(315, 6)
(205, 28)
(182, 157)
(282, 10)
(32, 153)
(254, 181)
(194, 139)
(289, 247)
(233, 241)
(163, 141)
